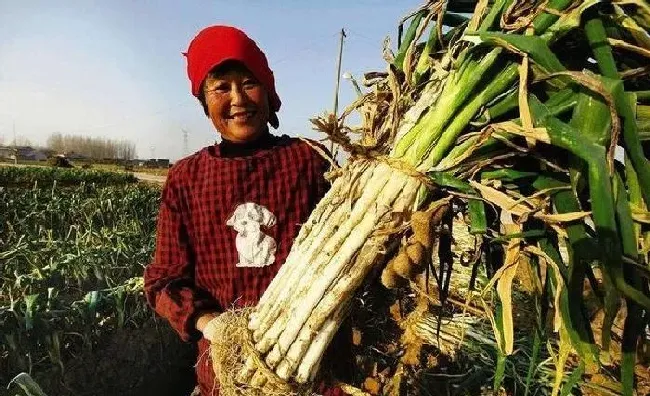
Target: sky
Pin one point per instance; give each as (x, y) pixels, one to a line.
(114, 68)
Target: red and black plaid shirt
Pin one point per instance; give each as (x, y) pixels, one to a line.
(194, 268)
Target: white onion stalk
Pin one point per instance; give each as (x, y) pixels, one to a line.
(326, 258)
(304, 260)
(313, 225)
(352, 240)
(309, 310)
(309, 365)
(341, 291)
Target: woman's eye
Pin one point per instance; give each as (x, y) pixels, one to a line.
(250, 84)
(220, 88)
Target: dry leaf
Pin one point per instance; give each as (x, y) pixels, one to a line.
(504, 290)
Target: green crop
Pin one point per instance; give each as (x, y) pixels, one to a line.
(71, 261)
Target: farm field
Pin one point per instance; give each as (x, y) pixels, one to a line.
(73, 245)
(105, 174)
(148, 171)
(99, 167)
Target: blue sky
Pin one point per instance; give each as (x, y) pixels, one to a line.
(115, 69)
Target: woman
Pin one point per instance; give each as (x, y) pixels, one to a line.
(229, 213)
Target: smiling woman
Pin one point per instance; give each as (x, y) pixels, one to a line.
(236, 102)
(230, 213)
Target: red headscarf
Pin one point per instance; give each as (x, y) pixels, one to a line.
(217, 44)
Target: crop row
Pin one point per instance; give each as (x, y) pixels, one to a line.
(71, 260)
(28, 176)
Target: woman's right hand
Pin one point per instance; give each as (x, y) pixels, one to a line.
(206, 323)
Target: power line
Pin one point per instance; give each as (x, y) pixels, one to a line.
(354, 33)
(315, 44)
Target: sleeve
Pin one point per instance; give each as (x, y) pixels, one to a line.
(169, 279)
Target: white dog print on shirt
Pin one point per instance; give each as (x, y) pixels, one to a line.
(255, 248)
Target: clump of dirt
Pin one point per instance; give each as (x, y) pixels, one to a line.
(385, 362)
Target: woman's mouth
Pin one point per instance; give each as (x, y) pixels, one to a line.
(242, 116)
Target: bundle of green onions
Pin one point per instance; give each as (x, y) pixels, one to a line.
(533, 113)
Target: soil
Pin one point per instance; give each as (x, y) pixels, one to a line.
(151, 360)
(382, 366)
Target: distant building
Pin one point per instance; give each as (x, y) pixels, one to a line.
(48, 152)
(6, 152)
(25, 153)
(163, 162)
(30, 153)
(157, 163)
(76, 156)
(137, 163)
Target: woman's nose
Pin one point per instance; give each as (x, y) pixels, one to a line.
(237, 95)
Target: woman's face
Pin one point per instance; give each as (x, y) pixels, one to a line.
(237, 103)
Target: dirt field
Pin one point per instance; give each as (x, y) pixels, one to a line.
(132, 362)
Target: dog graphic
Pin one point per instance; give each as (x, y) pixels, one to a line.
(255, 248)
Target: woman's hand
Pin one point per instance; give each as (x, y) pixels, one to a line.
(206, 323)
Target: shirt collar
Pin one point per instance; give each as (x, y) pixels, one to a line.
(229, 149)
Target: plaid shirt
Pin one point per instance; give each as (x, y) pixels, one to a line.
(196, 266)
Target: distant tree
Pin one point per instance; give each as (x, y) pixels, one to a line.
(126, 150)
(93, 147)
(55, 142)
(22, 141)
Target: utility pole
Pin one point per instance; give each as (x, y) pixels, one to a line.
(338, 83)
(338, 74)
